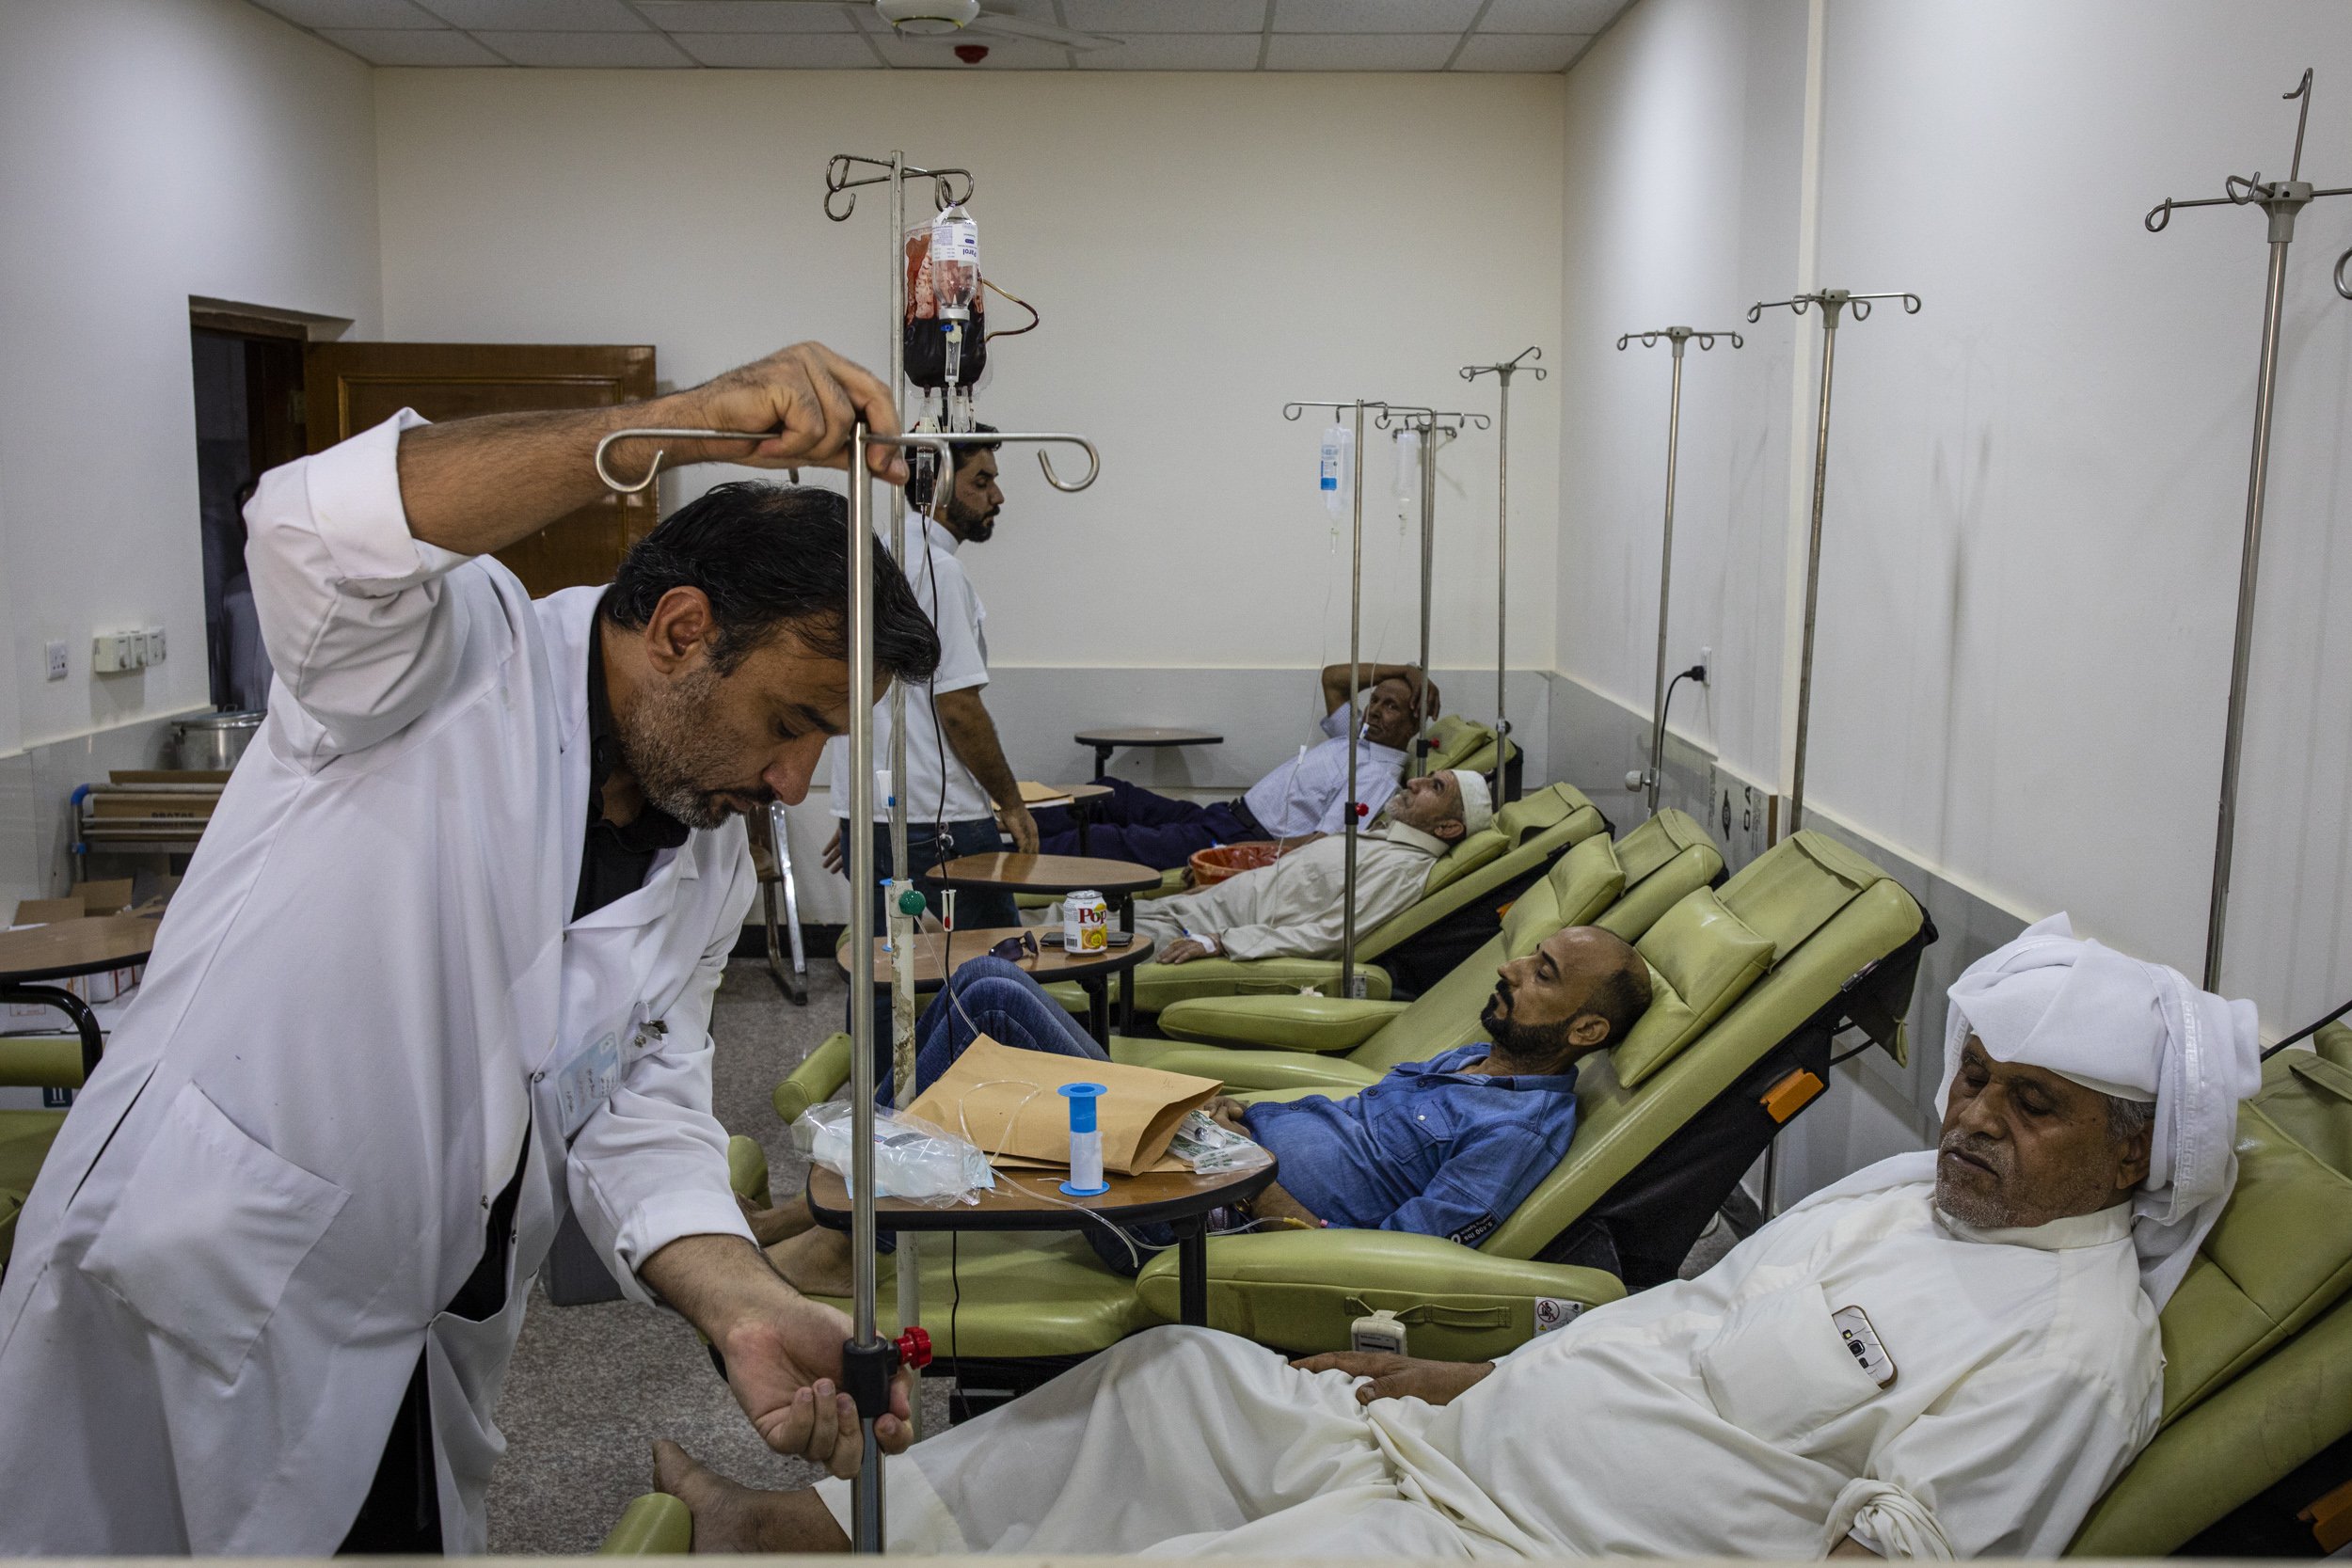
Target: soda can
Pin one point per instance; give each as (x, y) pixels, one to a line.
(1085, 922)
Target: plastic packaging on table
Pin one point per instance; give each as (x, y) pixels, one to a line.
(1211, 1148)
(913, 1160)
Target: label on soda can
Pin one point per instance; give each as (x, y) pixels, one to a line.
(1086, 922)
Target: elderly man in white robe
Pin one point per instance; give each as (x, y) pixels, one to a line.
(1296, 908)
(2007, 1284)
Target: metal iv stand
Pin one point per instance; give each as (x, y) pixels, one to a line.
(1355, 659)
(1503, 373)
(1679, 336)
(1833, 302)
(846, 173)
(2281, 199)
(1435, 431)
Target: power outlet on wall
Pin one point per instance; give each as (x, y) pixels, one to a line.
(56, 656)
(154, 650)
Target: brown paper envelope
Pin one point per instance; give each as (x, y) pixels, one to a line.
(1006, 1101)
(1167, 1162)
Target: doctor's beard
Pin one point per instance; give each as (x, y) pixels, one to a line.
(677, 753)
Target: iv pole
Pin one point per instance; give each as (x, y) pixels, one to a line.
(1679, 336)
(1502, 373)
(2281, 199)
(1832, 302)
(841, 181)
(1435, 433)
(1354, 664)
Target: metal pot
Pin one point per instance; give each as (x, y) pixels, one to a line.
(214, 741)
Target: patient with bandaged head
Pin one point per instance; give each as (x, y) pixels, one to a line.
(2006, 1285)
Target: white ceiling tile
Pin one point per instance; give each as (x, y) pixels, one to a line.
(1176, 52)
(745, 16)
(410, 46)
(1542, 52)
(350, 13)
(781, 51)
(1549, 16)
(1004, 53)
(552, 16)
(587, 51)
(1372, 16)
(1359, 50)
(1126, 17)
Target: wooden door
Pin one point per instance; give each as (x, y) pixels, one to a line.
(351, 387)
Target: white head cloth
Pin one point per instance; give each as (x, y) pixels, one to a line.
(1478, 804)
(2137, 1031)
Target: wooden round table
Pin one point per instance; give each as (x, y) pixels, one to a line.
(1106, 741)
(1118, 881)
(1092, 971)
(1021, 1201)
(65, 948)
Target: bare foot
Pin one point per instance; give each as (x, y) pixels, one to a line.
(770, 1226)
(815, 1261)
(737, 1520)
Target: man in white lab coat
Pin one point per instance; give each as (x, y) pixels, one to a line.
(1949, 1353)
(441, 971)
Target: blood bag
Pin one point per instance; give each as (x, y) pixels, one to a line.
(930, 331)
(1339, 470)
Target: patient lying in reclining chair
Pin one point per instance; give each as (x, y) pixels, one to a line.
(1951, 1352)
(1446, 1147)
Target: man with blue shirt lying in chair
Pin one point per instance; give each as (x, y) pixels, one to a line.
(1949, 1353)
(1444, 1147)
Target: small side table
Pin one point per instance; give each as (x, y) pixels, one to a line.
(1019, 1203)
(1106, 741)
(933, 952)
(1118, 881)
(67, 948)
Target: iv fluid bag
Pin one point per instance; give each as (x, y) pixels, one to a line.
(1408, 486)
(1339, 470)
(955, 264)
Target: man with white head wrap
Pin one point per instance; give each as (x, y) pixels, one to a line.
(1295, 908)
(2006, 1285)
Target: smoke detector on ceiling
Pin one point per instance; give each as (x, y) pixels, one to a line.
(929, 18)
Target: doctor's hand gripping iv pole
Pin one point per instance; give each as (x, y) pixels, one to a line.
(1523, 360)
(2280, 199)
(1833, 303)
(1679, 336)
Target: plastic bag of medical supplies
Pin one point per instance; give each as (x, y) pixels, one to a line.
(913, 1160)
(1213, 1148)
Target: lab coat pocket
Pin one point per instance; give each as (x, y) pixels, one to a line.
(206, 1233)
(1779, 1370)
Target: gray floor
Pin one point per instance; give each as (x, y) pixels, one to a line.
(591, 1387)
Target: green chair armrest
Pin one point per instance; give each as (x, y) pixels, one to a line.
(1300, 1291)
(41, 1061)
(655, 1525)
(1331, 1023)
(747, 1170)
(1159, 987)
(817, 1079)
(1246, 1069)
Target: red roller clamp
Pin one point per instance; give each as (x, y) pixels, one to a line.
(914, 1347)
(1363, 808)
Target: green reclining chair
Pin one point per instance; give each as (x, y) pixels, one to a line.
(2257, 1426)
(1453, 917)
(1750, 987)
(1318, 1042)
(36, 1061)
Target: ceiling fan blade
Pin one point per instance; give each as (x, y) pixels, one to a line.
(1002, 25)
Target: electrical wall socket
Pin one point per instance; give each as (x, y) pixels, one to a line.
(154, 651)
(113, 651)
(55, 652)
(1707, 658)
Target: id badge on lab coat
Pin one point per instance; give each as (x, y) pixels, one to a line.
(587, 1081)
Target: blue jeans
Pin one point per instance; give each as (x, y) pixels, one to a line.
(993, 997)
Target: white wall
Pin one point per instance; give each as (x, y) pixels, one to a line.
(1202, 247)
(149, 151)
(2036, 484)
